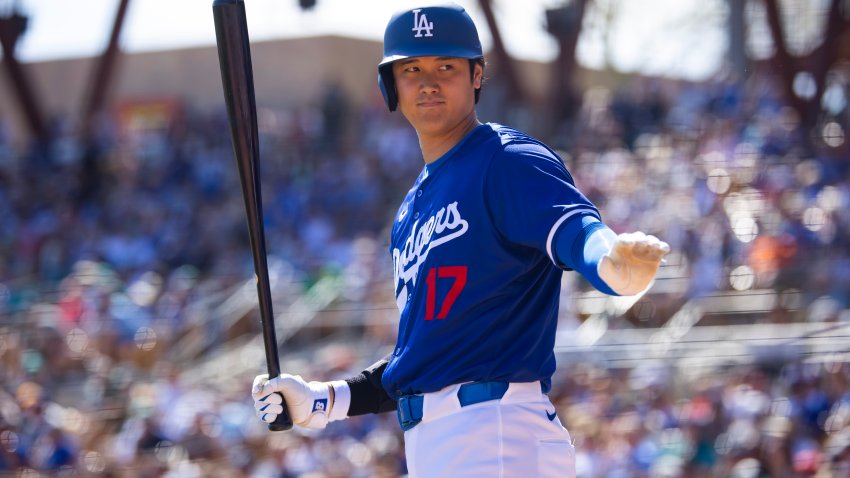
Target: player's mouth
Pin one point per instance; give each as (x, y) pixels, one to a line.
(431, 103)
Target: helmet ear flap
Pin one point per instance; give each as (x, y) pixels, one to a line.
(387, 84)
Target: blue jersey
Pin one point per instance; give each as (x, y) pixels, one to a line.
(476, 280)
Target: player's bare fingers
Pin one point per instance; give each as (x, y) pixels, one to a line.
(643, 249)
(626, 239)
(623, 246)
(661, 249)
(652, 240)
(655, 248)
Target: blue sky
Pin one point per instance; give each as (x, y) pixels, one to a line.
(675, 37)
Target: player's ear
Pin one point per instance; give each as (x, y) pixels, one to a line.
(477, 74)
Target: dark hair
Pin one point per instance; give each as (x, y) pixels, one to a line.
(472, 63)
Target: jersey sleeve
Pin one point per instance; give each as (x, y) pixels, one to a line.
(530, 195)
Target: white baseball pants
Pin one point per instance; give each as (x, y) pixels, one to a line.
(515, 436)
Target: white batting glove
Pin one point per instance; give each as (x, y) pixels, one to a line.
(632, 262)
(310, 404)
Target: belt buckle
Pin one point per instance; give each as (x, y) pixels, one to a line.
(409, 410)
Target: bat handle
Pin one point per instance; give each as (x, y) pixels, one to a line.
(283, 421)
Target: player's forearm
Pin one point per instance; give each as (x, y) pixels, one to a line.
(581, 244)
(366, 394)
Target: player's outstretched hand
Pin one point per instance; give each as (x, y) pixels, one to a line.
(309, 403)
(631, 264)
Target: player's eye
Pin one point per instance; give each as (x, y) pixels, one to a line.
(412, 69)
(447, 67)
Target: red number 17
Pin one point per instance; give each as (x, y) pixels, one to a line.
(459, 275)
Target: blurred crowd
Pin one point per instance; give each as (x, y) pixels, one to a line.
(113, 247)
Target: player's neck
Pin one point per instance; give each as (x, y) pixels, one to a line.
(435, 146)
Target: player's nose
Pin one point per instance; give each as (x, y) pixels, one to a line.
(428, 84)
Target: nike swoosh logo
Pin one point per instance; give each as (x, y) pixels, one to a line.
(551, 416)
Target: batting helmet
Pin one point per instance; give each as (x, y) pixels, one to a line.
(428, 31)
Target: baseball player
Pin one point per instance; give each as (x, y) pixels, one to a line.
(478, 246)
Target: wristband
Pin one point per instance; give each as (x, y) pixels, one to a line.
(341, 402)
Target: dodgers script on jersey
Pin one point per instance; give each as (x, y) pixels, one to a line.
(475, 278)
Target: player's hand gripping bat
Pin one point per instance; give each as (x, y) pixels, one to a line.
(234, 55)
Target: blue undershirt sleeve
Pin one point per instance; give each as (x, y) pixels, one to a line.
(580, 244)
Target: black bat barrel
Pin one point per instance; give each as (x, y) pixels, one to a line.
(234, 54)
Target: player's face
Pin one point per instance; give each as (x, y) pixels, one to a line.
(435, 93)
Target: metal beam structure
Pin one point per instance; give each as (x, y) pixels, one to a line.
(12, 27)
(504, 63)
(101, 80)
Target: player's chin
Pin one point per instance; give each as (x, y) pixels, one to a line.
(430, 123)
(431, 113)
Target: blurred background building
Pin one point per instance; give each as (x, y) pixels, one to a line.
(128, 325)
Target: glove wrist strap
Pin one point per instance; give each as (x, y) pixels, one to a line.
(341, 400)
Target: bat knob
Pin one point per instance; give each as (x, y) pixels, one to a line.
(282, 423)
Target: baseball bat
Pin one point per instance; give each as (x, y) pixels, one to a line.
(234, 56)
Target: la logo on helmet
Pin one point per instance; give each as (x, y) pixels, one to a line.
(420, 24)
